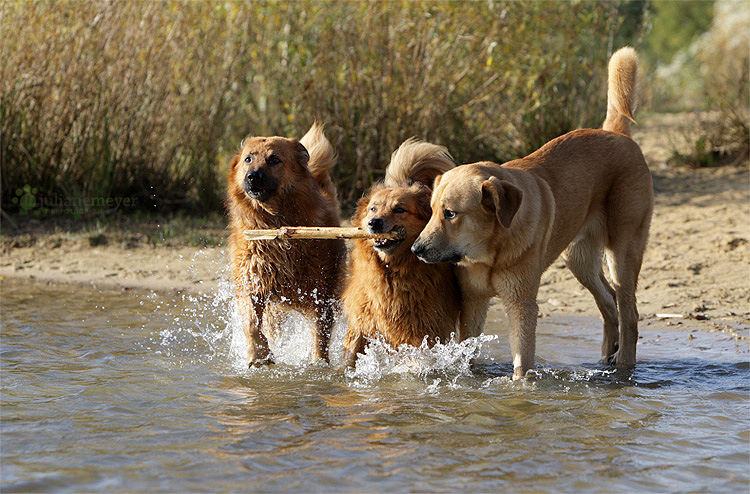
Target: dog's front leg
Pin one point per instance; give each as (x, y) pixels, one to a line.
(519, 295)
(322, 332)
(251, 313)
(473, 314)
(522, 335)
(354, 344)
(475, 300)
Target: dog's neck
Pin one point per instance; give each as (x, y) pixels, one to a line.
(400, 264)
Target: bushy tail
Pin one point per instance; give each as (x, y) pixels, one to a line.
(622, 95)
(322, 158)
(417, 161)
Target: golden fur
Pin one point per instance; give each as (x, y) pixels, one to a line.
(389, 292)
(585, 193)
(275, 182)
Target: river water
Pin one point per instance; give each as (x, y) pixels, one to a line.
(106, 391)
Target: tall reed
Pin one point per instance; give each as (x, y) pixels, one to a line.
(150, 99)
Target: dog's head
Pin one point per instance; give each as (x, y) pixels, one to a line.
(404, 210)
(267, 167)
(469, 206)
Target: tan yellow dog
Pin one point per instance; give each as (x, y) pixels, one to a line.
(583, 194)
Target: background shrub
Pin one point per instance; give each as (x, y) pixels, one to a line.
(150, 99)
(707, 71)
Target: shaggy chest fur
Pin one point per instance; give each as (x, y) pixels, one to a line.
(288, 270)
(402, 301)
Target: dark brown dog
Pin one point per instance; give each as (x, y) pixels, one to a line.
(389, 292)
(586, 194)
(275, 182)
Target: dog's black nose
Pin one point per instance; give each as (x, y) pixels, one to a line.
(376, 225)
(254, 177)
(418, 249)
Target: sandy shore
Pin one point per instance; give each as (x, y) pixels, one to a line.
(696, 271)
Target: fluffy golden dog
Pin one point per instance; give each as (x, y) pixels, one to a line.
(585, 193)
(275, 182)
(389, 292)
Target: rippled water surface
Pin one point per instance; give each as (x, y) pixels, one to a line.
(127, 392)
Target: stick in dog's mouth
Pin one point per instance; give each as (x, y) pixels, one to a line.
(385, 243)
(319, 232)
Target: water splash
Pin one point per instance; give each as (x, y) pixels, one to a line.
(207, 327)
(199, 328)
(443, 362)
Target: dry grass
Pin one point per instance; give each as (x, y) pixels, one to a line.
(149, 99)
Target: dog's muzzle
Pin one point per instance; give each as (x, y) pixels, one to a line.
(377, 225)
(257, 185)
(430, 255)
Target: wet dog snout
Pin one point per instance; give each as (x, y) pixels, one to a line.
(376, 225)
(418, 248)
(254, 178)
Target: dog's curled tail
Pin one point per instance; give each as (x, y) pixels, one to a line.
(322, 158)
(622, 97)
(417, 161)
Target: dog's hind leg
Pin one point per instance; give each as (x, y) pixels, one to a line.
(624, 261)
(628, 221)
(584, 259)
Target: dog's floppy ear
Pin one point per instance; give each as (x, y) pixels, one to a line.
(502, 198)
(236, 159)
(234, 162)
(302, 155)
(361, 210)
(437, 181)
(423, 195)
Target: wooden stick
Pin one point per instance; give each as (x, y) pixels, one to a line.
(319, 232)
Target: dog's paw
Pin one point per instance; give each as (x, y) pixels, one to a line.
(617, 359)
(260, 362)
(609, 360)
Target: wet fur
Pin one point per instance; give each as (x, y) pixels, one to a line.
(585, 194)
(393, 295)
(273, 276)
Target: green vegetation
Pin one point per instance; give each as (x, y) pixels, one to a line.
(674, 25)
(703, 64)
(148, 100)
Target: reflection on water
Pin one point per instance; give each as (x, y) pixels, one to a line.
(110, 391)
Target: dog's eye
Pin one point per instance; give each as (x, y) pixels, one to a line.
(273, 160)
(399, 210)
(373, 209)
(248, 159)
(448, 214)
